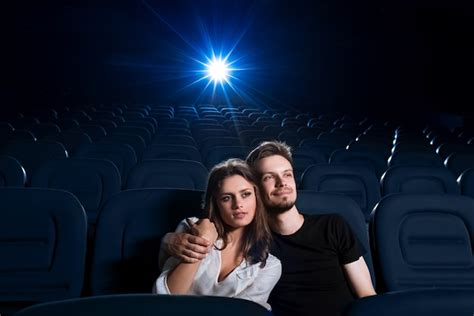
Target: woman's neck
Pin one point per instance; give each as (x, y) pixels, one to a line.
(235, 236)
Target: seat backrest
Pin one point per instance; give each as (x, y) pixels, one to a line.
(173, 139)
(12, 173)
(458, 162)
(368, 157)
(425, 302)
(168, 173)
(134, 130)
(221, 153)
(166, 151)
(357, 182)
(42, 245)
(128, 233)
(122, 155)
(424, 158)
(309, 202)
(466, 182)
(148, 304)
(31, 154)
(71, 140)
(423, 240)
(206, 144)
(92, 181)
(135, 141)
(419, 179)
(16, 135)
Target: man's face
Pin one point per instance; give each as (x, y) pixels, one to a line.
(277, 184)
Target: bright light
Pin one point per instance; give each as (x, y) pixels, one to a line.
(218, 70)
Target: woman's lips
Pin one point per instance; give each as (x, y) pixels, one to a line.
(239, 215)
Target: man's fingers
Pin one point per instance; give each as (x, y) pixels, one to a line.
(187, 259)
(198, 249)
(193, 255)
(199, 241)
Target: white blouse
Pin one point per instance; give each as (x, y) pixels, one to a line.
(247, 281)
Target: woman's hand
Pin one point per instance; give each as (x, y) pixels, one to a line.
(204, 228)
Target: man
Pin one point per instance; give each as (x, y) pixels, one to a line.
(323, 268)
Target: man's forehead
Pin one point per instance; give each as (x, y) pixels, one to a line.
(275, 163)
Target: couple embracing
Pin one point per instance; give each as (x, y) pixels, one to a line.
(254, 244)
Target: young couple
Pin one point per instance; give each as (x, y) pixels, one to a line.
(253, 234)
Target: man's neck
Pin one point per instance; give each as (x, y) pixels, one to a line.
(287, 223)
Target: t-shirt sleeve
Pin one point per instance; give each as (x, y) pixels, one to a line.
(347, 245)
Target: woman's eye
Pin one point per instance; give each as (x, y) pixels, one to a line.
(246, 194)
(225, 199)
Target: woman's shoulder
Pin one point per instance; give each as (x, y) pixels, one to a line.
(272, 261)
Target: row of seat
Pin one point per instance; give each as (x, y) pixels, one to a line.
(93, 181)
(416, 241)
(426, 302)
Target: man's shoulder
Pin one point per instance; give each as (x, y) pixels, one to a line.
(323, 218)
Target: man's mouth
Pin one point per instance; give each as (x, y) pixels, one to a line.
(282, 192)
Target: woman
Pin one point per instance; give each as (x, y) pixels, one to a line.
(239, 265)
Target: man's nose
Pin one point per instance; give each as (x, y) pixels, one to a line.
(280, 182)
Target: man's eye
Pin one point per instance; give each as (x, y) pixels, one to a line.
(289, 175)
(265, 178)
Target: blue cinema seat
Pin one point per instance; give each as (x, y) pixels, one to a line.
(166, 151)
(168, 173)
(147, 305)
(466, 182)
(423, 240)
(135, 141)
(31, 154)
(42, 246)
(128, 233)
(419, 302)
(122, 155)
(373, 158)
(419, 179)
(71, 140)
(357, 182)
(458, 162)
(92, 181)
(423, 158)
(220, 153)
(310, 202)
(12, 173)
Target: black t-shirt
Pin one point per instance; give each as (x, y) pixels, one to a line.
(312, 280)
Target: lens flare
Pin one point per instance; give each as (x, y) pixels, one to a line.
(218, 70)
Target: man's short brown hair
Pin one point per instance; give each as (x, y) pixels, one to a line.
(267, 149)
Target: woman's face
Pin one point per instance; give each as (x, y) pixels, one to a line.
(236, 201)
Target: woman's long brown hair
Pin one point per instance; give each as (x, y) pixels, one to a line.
(257, 236)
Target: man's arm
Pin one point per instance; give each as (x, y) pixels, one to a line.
(186, 247)
(359, 278)
(190, 243)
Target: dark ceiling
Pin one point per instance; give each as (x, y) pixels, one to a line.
(371, 55)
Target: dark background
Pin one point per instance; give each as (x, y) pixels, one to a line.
(399, 57)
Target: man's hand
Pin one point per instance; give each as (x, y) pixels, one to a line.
(204, 228)
(187, 247)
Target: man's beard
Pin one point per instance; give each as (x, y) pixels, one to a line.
(275, 209)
